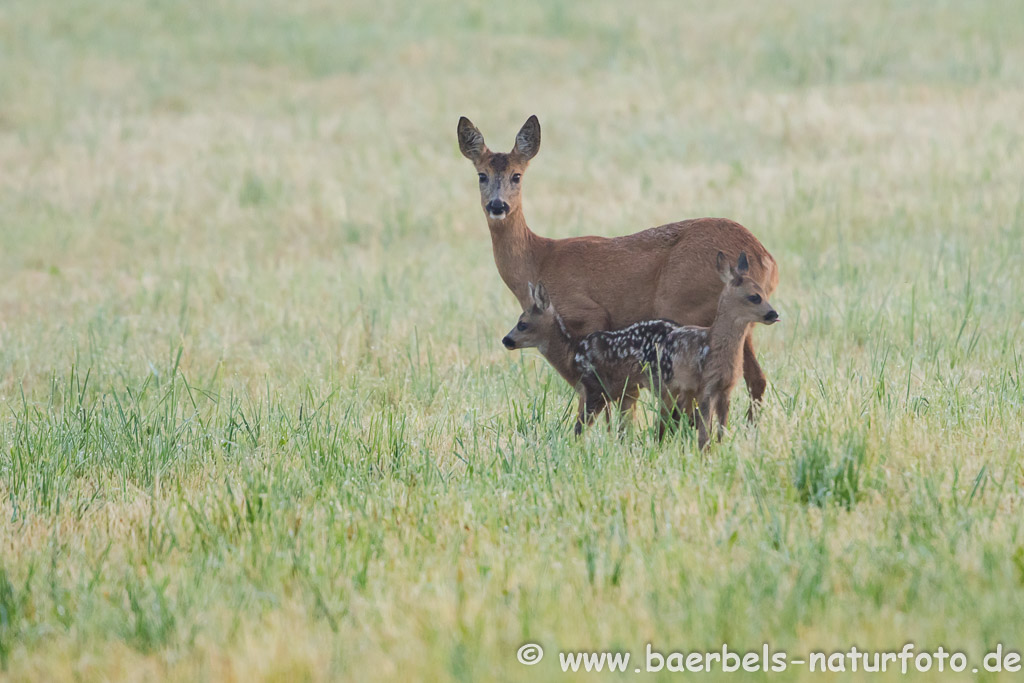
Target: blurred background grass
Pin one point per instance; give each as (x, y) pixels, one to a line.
(256, 420)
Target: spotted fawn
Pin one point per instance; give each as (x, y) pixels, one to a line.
(689, 367)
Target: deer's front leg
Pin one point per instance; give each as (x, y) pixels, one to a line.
(753, 375)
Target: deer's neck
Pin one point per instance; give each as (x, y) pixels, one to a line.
(517, 253)
(559, 349)
(725, 363)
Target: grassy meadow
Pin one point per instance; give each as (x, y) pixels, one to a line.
(256, 422)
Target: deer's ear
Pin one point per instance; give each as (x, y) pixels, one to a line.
(528, 139)
(540, 297)
(471, 140)
(724, 269)
(741, 265)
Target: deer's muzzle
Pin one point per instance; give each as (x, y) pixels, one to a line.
(497, 208)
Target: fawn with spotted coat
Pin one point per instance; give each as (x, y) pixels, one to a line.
(687, 366)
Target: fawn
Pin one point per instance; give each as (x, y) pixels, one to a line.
(684, 365)
(601, 283)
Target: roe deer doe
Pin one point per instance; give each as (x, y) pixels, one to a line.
(683, 365)
(608, 283)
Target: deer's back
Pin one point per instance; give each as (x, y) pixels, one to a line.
(663, 272)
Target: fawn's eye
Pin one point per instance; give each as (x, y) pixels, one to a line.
(754, 298)
(516, 177)
(522, 326)
(482, 177)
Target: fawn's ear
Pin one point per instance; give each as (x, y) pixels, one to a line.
(741, 265)
(528, 139)
(724, 269)
(541, 300)
(471, 140)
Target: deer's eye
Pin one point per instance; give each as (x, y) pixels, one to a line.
(516, 177)
(522, 326)
(482, 177)
(754, 298)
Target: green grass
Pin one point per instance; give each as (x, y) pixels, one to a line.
(255, 419)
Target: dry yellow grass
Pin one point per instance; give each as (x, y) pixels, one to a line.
(255, 419)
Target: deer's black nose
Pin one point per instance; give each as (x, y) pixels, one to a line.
(771, 316)
(507, 341)
(497, 207)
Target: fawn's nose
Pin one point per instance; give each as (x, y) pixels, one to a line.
(496, 207)
(507, 341)
(771, 316)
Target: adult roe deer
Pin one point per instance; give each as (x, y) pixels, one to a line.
(686, 366)
(600, 283)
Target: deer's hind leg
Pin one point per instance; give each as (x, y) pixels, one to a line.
(753, 375)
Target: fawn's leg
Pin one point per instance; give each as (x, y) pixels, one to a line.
(630, 400)
(592, 402)
(586, 416)
(752, 374)
(626, 408)
(581, 412)
(703, 420)
(681, 402)
(686, 404)
(669, 415)
(594, 408)
(722, 408)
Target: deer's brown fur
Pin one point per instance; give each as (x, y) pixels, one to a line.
(602, 283)
(685, 365)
